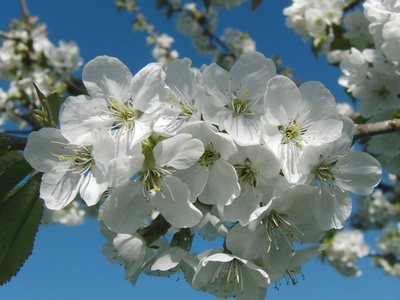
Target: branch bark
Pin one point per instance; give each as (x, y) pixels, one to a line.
(362, 131)
(15, 142)
(371, 129)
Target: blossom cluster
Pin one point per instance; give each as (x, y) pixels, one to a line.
(365, 45)
(388, 244)
(200, 26)
(344, 249)
(245, 156)
(372, 73)
(28, 56)
(311, 18)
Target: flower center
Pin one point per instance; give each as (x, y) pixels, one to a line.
(187, 108)
(327, 171)
(292, 133)
(382, 92)
(279, 227)
(124, 115)
(79, 158)
(246, 174)
(229, 278)
(323, 170)
(209, 156)
(152, 178)
(241, 107)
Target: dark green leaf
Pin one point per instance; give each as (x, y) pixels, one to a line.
(10, 158)
(20, 217)
(13, 175)
(207, 4)
(161, 3)
(54, 102)
(255, 4)
(4, 139)
(170, 11)
(4, 150)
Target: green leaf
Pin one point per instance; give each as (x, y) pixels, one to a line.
(12, 176)
(207, 4)
(161, 4)
(20, 217)
(255, 4)
(10, 158)
(54, 102)
(4, 150)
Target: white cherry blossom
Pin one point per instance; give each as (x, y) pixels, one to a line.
(70, 168)
(236, 98)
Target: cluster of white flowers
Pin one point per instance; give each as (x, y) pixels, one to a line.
(228, 4)
(243, 155)
(357, 33)
(27, 57)
(191, 22)
(162, 52)
(71, 215)
(200, 26)
(238, 43)
(368, 53)
(344, 249)
(372, 74)
(311, 18)
(388, 244)
(384, 16)
(374, 211)
(369, 76)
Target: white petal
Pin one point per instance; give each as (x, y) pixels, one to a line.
(40, 147)
(251, 73)
(242, 207)
(334, 208)
(222, 185)
(323, 131)
(58, 189)
(169, 259)
(106, 75)
(180, 151)
(358, 172)
(126, 208)
(174, 204)
(245, 131)
(94, 184)
(147, 88)
(132, 249)
(283, 100)
(245, 243)
(196, 178)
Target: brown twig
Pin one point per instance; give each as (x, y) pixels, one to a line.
(371, 129)
(15, 142)
(351, 4)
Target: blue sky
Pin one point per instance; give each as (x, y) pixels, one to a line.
(67, 263)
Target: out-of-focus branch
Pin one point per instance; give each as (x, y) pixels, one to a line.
(370, 129)
(28, 118)
(25, 11)
(362, 130)
(351, 4)
(15, 142)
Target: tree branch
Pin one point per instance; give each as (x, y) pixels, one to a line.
(370, 129)
(15, 142)
(362, 131)
(351, 4)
